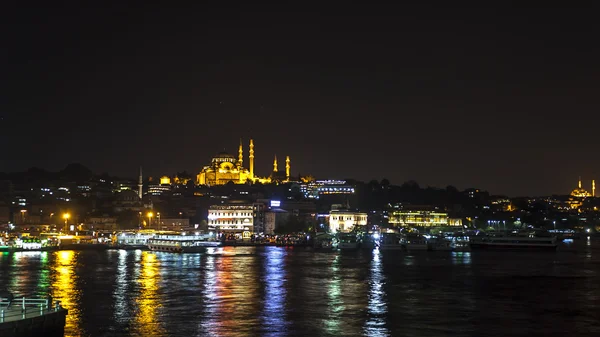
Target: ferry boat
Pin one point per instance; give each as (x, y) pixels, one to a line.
(135, 239)
(514, 243)
(348, 241)
(25, 243)
(460, 243)
(181, 243)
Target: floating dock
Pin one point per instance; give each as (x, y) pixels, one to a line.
(32, 317)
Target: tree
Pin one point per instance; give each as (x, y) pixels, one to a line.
(385, 183)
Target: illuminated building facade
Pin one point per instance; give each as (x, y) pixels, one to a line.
(234, 219)
(315, 189)
(225, 168)
(346, 221)
(421, 218)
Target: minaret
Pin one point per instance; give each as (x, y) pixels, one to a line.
(140, 184)
(251, 159)
(287, 168)
(593, 188)
(275, 164)
(240, 154)
(579, 182)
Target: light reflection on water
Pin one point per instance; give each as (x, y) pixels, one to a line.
(290, 292)
(149, 301)
(120, 289)
(375, 324)
(273, 316)
(461, 257)
(335, 304)
(65, 288)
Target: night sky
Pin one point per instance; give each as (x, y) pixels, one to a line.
(503, 99)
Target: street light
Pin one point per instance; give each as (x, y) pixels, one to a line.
(23, 211)
(150, 215)
(158, 219)
(66, 216)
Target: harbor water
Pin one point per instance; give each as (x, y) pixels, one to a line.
(276, 291)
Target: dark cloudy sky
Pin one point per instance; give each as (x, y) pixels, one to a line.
(505, 99)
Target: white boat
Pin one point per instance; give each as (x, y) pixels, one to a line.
(181, 243)
(133, 240)
(514, 243)
(460, 243)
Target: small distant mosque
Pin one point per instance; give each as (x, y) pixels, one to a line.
(580, 192)
(224, 168)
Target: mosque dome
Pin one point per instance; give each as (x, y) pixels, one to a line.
(581, 192)
(223, 157)
(127, 196)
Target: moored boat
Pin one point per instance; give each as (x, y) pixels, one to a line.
(133, 240)
(182, 243)
(415, 243)
(390, 241)
(514, 243)
(324, 242)
(348, 241)
(440, 244)
(460, 243)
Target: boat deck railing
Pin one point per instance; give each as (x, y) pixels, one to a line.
(22, 308)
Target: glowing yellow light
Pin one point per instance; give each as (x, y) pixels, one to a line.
(66, 216)
(150, 214)
(65, 289)
(148, 300)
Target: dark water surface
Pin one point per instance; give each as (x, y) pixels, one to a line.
(272, 291)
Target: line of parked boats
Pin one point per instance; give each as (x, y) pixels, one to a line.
(199, 242)
(448, 242)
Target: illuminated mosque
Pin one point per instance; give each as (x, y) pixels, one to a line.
(224, 168)
(580, 192)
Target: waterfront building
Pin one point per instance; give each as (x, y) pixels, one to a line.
(235, 219)
(345, 221)
(225, 168)
(420, 217)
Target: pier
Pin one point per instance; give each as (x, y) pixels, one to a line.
(29, 317)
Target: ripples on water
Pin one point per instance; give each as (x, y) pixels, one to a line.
(272, 291)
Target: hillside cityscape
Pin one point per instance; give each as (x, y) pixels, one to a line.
(77, 199)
